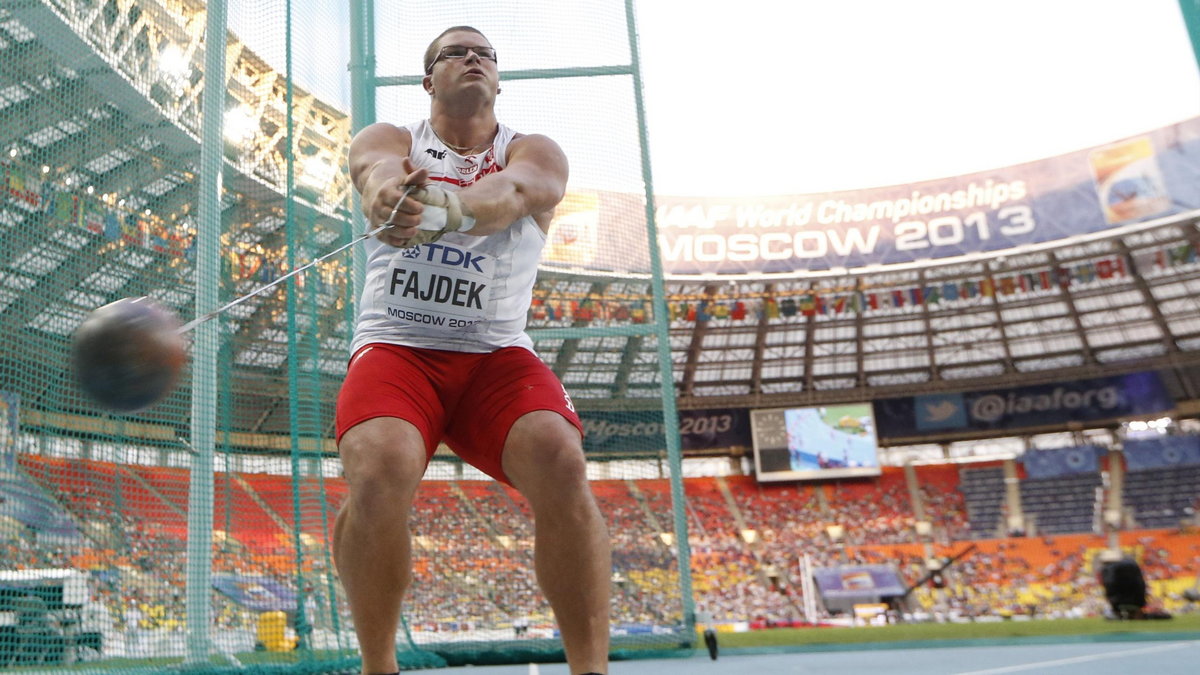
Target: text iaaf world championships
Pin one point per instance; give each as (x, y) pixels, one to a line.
(912, 234)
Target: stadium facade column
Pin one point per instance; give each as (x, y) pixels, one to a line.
(206, 340)
(914, 490)
(921, 524)
(1114, 508)
(1015, 522)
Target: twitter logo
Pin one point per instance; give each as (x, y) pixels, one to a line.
(940, 411)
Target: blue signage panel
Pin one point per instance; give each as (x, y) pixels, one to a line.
(1162, 452)
(1089, 400)
(21, 499)
(1054, 462)
(256, 592)
(853, 581)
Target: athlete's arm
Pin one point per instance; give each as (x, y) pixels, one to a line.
(532, 183)
(380, 169)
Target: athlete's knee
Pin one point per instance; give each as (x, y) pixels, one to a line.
(546, 447)
(563, 464)
(382, 461)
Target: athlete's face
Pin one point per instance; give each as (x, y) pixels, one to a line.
(464, 61)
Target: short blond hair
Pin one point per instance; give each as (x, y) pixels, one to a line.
(431, 52)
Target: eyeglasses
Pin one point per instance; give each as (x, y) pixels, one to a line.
(460, 52)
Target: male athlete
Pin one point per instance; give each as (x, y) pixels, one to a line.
(440, 353)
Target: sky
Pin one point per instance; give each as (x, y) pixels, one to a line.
(801, 96)
(858, 94)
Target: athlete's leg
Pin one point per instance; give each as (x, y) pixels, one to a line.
(543, 457)
(383, 459)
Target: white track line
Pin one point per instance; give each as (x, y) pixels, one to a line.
(1082, 659)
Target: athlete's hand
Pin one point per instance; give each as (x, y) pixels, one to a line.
(395, 206)
(444, 212)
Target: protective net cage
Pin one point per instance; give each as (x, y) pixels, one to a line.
(105, 517)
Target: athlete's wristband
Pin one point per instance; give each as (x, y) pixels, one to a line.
(444, 211)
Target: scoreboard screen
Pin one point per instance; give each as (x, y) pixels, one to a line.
(815, 443)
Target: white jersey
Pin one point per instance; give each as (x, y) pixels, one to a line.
(462, 293)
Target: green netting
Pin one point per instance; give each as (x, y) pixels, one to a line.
(196, 534)
(594, 304)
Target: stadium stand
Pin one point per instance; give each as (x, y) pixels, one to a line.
(1163, 497)
(746, 539)
(1061, 504)
(983, 492)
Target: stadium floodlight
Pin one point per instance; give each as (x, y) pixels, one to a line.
(173, 66)
(241, 125)
(317, 172)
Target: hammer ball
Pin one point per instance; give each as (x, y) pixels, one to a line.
(127, 355)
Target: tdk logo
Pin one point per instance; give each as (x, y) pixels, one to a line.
(940, 411)
(437, 154)
(451, 257)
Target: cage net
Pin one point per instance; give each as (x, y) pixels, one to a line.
(100, 146)
(592, 320)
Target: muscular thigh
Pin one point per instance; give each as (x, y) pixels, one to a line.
(388, 381)
(505, 387)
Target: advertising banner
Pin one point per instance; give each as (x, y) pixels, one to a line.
(622, 432)
(1030, 406)
(1150, 176)
(21, 499)
(255, 592)
(855, 581)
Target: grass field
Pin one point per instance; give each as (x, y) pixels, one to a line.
(783, 637)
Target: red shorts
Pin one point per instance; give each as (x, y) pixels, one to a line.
(469, 400)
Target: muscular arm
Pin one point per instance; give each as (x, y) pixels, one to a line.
(532, 183)
(378, 169)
